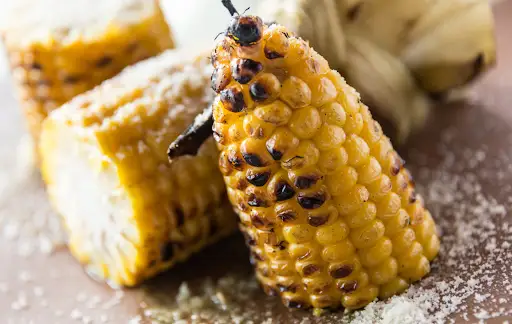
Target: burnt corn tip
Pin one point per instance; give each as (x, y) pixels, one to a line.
(191, 140)
(245, 30)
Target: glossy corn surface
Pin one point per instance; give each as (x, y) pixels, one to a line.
(59, 49)
(327, 208)
(129, 213)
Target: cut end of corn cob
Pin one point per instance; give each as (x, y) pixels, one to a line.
(128, 213)
(329, 212)
(59, 49)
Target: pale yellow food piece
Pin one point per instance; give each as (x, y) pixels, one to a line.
(128, 212)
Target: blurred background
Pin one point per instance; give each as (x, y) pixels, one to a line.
(185, 28)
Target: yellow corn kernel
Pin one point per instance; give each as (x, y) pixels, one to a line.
(425, 229)
(384, 272)
(295, 93)
(304, 155)
(352, 200)
(332, 234)
(344, 268)
(363, 216)
(333, 114)
(276, 43)
(395, 286)
(379, 188)
(329, 137)
(277, 113)
(354, 124)
(149, 214)
(357, 150)
(323, 91)
(388, 206)
(282, 267)
(56, 56)
(402, 241)
(235, 132)
(431, 247)
(317, 285)
(325, 215)
(342, 181)
(305, 122)
(368, 235)
(381, 149)
(369, 172)
(410, 257)
(397, 223)
(353, 282)
(301, 251)
(332, 160)
(376, 254)
(323, 301)
(360, 298)
(338, 251)
(257, 128)
(420, 269)
(300, 233)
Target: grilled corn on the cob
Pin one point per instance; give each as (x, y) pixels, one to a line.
(128, 213)
(58, 49)
(327, 208)
(396, 52)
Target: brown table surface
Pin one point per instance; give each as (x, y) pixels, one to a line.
(462, 165)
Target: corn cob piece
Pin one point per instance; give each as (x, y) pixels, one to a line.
(328, 210)
(59, 49)
(128, 213)
(411, 50)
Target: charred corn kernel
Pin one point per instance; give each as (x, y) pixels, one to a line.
(59, 49)
(324, 172)
(135, 215)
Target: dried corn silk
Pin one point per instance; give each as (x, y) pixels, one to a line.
(59, 49)
(396, 54)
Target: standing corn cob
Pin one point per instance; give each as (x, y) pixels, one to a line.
(396, 52)
(327, 208)
(128, 213)
(58, 49)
